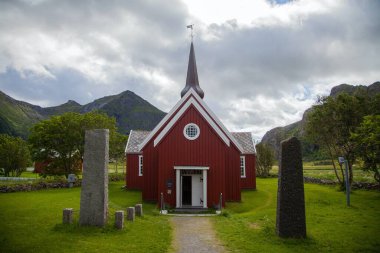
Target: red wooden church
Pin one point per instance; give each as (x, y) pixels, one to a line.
(190, 157)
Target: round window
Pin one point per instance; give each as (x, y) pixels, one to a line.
(191, 131)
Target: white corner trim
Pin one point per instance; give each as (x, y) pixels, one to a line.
(129, 137)
(193, 102)
(253, 142)
(191, 168)
(204, 174)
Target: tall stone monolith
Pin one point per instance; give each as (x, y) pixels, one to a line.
(291, 220)
(94, 195)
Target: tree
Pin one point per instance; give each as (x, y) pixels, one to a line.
(117, 148)
(367, 138)
(60, 140)
(264, 159)
(14, 155)
(331, 122)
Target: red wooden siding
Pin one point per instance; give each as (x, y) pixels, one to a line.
(39, 166)
(233, 175)
(207, 150)
(249, 182)
(150, 176)
(134, 181)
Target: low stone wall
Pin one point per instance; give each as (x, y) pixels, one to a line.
(34, 186)
(355, 185)
(39, 184)
(319, 181)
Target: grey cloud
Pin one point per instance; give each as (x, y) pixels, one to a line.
(119, 45)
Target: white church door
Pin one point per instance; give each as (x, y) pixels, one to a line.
(191, 186)
(197, 190)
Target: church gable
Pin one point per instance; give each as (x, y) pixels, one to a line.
(191, 98)
(192, 134)
(196, 106)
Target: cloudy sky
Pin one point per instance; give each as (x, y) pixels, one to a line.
(261, 63)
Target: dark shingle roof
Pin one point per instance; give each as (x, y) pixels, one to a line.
(245, 140)
(135, 138)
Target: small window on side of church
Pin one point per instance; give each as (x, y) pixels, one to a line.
(191, 131)
(140, 165)
(242, 166)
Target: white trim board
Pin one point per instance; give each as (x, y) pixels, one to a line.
(162, 122)
(212, 120)
(129, 137)
(190, 102)
(191, 168)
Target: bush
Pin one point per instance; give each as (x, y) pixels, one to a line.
(265, 159)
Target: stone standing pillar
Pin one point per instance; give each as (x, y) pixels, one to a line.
(67, 216)
(131, 213)
(119, 219)
(291, 220)
(139, 210)
(94, 194)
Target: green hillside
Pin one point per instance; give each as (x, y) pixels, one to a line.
(16, 117)
(130, 111)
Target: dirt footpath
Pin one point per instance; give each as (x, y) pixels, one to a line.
(195, 234)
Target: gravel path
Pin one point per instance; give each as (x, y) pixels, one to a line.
(195, 234)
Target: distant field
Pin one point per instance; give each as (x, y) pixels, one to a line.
(327, 172)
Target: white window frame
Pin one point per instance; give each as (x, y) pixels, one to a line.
(242, 167)
(141, 160)
(191, 137)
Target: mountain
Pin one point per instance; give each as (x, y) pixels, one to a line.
(274, 136)
(16, 117)
(130, 111)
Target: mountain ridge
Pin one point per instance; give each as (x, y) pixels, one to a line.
(130, 110)
(274, 136)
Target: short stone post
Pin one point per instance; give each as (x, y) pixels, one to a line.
(119, 219)
(67, 216)
(139, 210)
(94, 193)
(291, 220)
(131, 213)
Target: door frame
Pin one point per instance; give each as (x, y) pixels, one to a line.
(179, 183)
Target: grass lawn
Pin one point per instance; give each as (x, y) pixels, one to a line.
(32, 222)
(331, 226)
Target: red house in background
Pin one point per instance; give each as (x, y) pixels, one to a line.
(190, 157)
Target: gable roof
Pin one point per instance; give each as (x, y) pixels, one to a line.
(246, 141)
(190, 98)
(136, 137)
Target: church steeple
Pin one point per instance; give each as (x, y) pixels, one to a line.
(192, 75)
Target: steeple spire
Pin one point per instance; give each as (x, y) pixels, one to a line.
(192, 75)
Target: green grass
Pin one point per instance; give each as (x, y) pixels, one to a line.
(32, 222)
(331, 226)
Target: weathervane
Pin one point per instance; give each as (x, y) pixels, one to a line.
(191, 34)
